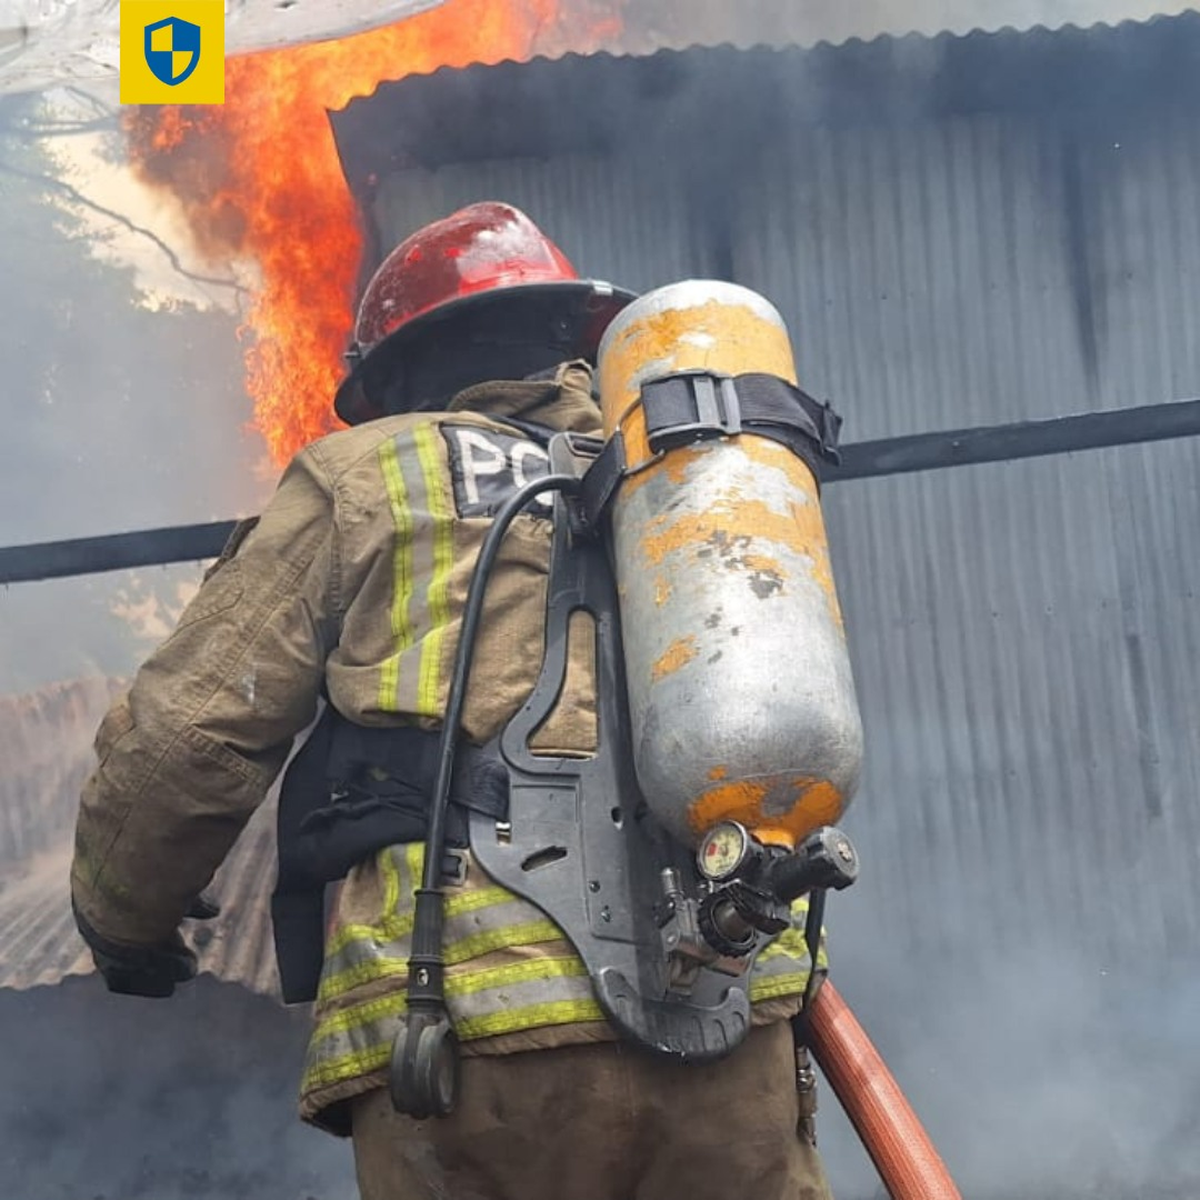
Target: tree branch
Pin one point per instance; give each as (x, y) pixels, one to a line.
(62, 128)
(75, 195)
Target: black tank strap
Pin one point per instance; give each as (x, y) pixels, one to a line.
(690, 406)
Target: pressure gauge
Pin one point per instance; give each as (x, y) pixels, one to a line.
(723, 851)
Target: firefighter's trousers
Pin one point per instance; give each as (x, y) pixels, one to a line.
(600, 1122)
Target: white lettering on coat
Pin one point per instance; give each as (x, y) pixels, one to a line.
(480, 457)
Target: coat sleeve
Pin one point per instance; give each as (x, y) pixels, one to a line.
(188, 755)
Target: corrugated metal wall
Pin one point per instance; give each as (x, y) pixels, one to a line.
(1026, 636)
(618, 219)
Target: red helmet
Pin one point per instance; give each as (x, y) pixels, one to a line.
(484, 256)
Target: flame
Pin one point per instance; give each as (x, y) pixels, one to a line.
(259, 178)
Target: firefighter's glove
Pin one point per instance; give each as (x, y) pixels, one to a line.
(151, 971)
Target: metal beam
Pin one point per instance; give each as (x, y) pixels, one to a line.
(1024, 439)
(113, 552)
(860, 460)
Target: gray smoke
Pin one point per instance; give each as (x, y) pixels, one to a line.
(119, 414)
(112, 1098)
(107, 1097)
(1022, 945)
(1042, 1072)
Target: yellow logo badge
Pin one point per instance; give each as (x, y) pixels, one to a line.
(172, 52)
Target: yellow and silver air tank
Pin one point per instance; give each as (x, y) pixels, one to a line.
(741, 697)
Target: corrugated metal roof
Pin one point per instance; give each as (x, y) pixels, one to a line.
(1025, 636)
(43, 739)
(46, 738)
(549, 107)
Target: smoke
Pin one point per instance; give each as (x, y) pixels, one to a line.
(150, 614)
(1039, 1073)
(109, 1098)
(124, 408)
(1045, 1069)
(114, 1098)
(1022, 943)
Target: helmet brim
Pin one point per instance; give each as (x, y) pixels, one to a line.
(585, 307)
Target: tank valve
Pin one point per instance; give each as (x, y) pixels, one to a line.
(825, 859)
(754, 885)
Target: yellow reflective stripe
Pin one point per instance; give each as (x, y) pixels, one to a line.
(349, 978)
(384, 966)
(791, 944)
(770, 976)
(553, 1012)
(768, 987)
(348, 1066)
(468, 902)
(469, 983)
(533, 1016)
(393, 923)
(380, 932)
(396, 923)
(421, 568)
(790, 941)
(357, 1018)
(530, 934)
(429, 685)
(402, 575)
(376, 1054)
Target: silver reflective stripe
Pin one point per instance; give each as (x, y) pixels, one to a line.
(518, 988)
(429, 559)
(522, 995)
(477, 921)
(351, 948)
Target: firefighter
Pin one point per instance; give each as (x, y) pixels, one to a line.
(473, 344)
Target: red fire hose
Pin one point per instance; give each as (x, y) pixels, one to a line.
(911, 1169)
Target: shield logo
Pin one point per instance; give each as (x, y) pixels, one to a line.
(172, 49)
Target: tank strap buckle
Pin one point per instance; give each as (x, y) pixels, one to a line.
(688, 405)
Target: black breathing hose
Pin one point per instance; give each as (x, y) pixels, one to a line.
(427, 917)
(812, 939)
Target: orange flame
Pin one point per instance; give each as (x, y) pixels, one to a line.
(259, 177)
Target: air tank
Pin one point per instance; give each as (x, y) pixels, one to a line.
(741, 696)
